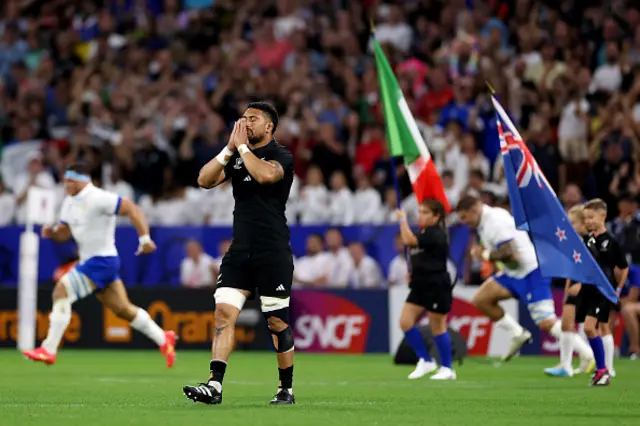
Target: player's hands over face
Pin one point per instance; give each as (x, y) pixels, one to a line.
(241, 137)
(400, 215)
(231, 144)
(146, 248)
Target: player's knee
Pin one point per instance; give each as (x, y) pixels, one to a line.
(406, 324)
(224, 315)
(276, 324)
(479, 301)
(591, 331)
(568, 324)
(283, 335)
(546, 325)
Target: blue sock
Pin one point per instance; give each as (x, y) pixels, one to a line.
(414, 337)
(598, 352)
(444, 348)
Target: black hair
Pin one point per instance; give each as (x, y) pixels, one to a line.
(267, 109)
(80, 168)
(437, 208)
(466, 203)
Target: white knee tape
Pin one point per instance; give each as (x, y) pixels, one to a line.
(542, 310)
(270, 304)
(77, 285)
(230, 296)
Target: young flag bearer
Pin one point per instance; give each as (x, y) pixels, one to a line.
(431, 289)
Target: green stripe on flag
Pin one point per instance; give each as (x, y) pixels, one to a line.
(399, 138)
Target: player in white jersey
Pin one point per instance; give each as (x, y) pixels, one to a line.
(88, 214)
(520, 279)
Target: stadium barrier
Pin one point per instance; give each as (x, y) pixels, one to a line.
(343, 321)
(188, 312)
(163, 267)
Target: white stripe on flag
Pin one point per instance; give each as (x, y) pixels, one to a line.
(413, 127)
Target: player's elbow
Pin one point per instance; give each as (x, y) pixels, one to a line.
(267, 177)
(204, 181)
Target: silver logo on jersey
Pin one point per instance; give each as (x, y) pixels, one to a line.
(238, 164)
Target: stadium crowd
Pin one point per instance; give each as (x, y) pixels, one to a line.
(146, 92)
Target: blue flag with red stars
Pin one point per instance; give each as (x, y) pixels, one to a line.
(536, 209)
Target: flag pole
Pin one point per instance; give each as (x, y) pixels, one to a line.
(392, 165)
(392, 162)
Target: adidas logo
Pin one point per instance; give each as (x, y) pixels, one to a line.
(247, 179)
(280, 288)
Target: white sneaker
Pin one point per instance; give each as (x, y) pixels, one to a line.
(444, 373)
(612, 372)
(423, 368)
(516, 343)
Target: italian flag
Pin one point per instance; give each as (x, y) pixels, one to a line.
(404, 137)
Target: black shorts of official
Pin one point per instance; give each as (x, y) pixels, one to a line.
(268, 272)
(434, 294)
(592, 303)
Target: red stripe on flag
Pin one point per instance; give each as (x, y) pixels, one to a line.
(429, 185)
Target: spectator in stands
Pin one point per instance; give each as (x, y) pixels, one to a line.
(293, 201)
(314, 199)
(453, 193)
(387, 211)
(198, 269)
(223, 248)
(366, 201)
(340, 264)
(218, 205)
(35, 175)
(7, 205)
(312, 269)
(631, 314)
(571, 196)
(341, 201)
(398, 270)
(366, 273)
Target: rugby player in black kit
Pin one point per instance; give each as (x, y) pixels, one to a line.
(261, 172)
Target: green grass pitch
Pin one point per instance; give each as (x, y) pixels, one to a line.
(134, 388)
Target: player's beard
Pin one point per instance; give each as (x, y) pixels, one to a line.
(254, 139)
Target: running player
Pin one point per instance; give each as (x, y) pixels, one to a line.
(521, 277)
(261, 172)
(572, 289)
(431, 288)
(88, 214)
(613, 262)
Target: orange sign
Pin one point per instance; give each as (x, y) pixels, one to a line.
(191, 326)
(9, 326)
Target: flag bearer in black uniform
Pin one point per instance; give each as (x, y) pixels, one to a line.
(431, 289)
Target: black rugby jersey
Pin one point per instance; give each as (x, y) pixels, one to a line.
(259, 220)
(430, 256)
(608, 253)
